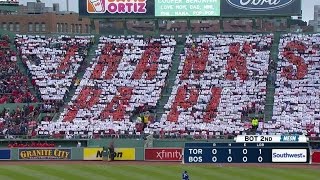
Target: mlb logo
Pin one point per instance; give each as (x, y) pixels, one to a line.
(96, 6)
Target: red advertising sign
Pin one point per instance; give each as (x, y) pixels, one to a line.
(163, 154)
(316, 157)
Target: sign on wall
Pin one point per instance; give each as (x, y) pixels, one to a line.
(5, 154)
(289, 155)
(44, 154)
(316, 156)
(121, 154)
(260, 7)
(116, 7)
(187, 8)
(163, 154)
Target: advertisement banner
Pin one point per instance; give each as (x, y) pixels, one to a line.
(236, 8)
(5, 154)
(116, 8)
(163, 154)
(316, 157)
(45, 154)
(121, 154)
(289, 155)
(187, 8)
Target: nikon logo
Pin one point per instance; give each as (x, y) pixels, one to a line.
(116, 154)
(259, 5)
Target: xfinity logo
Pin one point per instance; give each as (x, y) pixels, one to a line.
(169, 155)
(259, 5)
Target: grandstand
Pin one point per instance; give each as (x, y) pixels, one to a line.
(219, 83)
(198, 78)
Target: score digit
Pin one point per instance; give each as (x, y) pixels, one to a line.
(244, 159)
(229, 151)
(244, 151)
(214, 151)
(214, 159)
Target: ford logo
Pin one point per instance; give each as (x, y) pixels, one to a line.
(259, 5)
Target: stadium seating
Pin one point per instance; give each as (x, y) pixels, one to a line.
(53, 61)
(297, 103)
(128, 73)
(13, 84)
(20, 121)
(220, 78)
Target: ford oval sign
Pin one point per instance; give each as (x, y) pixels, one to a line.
(259, 5)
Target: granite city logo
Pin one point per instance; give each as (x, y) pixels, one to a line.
(259, 5)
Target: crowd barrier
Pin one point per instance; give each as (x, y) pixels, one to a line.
(95, 154)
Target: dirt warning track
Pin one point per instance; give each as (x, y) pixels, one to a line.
(147, 163)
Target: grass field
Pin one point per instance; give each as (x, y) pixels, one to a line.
(151, 172)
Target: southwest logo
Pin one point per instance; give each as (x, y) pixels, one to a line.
(259, 5)
(117, 6)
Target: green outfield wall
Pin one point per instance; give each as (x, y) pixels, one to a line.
(69, 154)
(126, 149)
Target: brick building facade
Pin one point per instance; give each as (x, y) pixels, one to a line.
(38, 19)
(47, 23)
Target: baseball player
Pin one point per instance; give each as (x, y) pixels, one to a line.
(111, 150)
(105, 154)
(185, 176)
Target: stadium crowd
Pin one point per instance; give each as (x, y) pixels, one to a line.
(221, 82)
(20, 121)
(297, 102)
(13, 84)
(127, 74)
(52, 61)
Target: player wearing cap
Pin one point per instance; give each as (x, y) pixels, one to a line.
(185, 175)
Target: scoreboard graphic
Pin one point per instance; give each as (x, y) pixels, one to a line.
(248, 152)
(188, 8)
